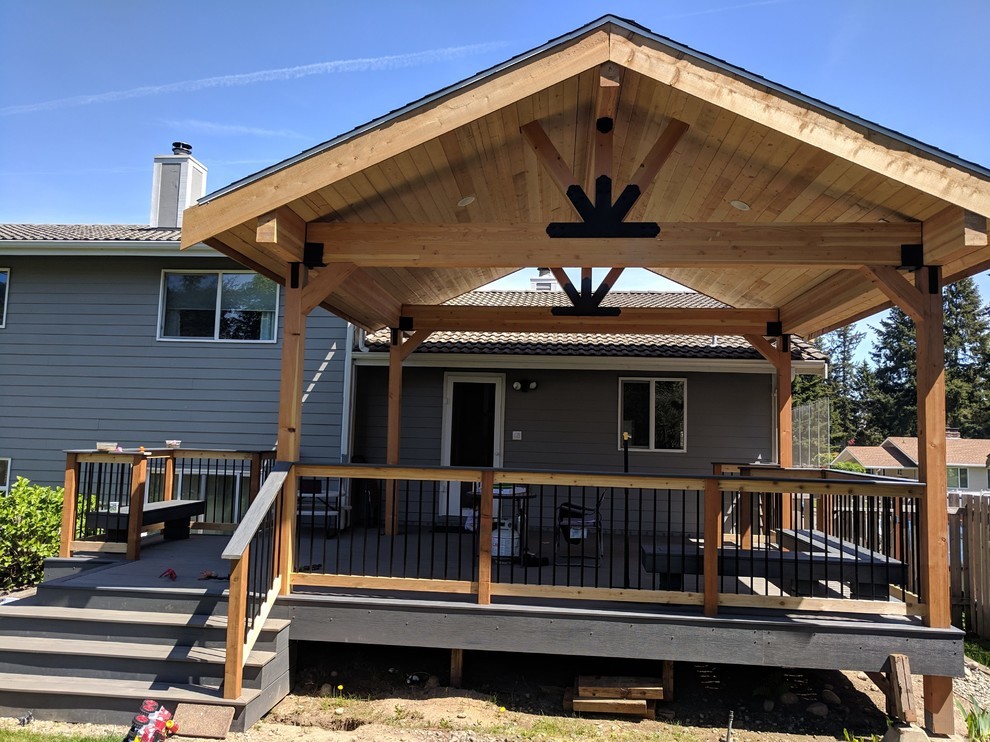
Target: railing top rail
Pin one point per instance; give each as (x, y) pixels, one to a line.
(255, 515)
(765, 483)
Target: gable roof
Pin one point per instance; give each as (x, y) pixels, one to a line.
(87, 233)
(717, 347)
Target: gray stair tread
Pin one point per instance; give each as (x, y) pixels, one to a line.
(70, 686)
(154, 652)
(129, 617)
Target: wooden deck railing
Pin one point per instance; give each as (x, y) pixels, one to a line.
(844, 545)
(99, 485)
(783, 540)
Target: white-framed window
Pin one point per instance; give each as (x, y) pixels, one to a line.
(4, 282)
(957, 477)
(653, 411)
(220, 306)
(4, 476)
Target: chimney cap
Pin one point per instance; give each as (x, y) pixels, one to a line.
(181, 148)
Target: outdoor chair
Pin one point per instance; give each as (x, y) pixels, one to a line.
(579, 527)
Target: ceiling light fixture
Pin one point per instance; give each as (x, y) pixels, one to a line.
(466, 201)
(741, 205)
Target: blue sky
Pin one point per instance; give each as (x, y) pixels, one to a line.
(91, 91)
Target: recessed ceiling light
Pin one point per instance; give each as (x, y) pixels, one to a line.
(741, 205)
(466, 201)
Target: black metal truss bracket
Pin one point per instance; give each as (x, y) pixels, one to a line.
(603, 218)
(313, 255)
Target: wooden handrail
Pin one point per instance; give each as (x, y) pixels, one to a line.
(255, 515)
(775, 483)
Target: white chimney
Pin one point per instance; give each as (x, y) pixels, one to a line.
(179, 181)
(544, 281)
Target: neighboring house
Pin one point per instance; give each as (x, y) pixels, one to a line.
(967, 460)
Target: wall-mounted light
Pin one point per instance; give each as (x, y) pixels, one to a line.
(524, 385)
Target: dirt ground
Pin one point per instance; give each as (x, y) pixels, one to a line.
(370, 693)
(365, 694)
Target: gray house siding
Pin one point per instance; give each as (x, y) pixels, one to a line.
(80, 362)
(571, 423)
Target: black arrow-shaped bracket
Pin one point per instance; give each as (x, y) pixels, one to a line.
(603, 218)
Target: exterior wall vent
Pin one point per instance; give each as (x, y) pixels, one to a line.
(178, 181)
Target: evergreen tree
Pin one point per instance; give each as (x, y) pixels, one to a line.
(869, 431)
(894, 404)
(841, 348)
(967, 354)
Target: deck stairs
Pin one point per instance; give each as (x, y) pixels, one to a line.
(92, 654)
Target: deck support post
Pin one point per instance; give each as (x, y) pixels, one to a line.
(713, 542)
(139, 475)
(394, 432)
(785, 426)
(934, 548)
(290, 411)
(233, 676)
(456, 668)
(168, 482)
(485, 514)
(69, 506)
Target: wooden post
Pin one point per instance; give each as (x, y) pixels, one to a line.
(931, 470)
(713, 523)
(456, 667)
(785, 433)
(290, 411)
(394, 433)
(168, 480)
(254, 478)
(135, 512)
(485, 537)
(233, 672)
(69, 505)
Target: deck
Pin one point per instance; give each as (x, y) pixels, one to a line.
(528, 624)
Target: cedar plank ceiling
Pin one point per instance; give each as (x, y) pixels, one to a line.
(818, 166)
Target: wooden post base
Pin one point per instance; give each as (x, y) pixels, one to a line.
(898, 690)
(939, 718)
(456, 667)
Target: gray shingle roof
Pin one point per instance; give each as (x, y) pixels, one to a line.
(88, 232)
(731, 347)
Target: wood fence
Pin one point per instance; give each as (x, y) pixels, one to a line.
(969, 562)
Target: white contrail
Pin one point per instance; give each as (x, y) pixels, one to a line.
(364, 64)
(212, 127)
(724, 9)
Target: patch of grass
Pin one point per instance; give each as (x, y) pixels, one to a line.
(26, 735)
(978, 649)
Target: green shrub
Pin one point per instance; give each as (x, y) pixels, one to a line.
(30, 517)
(977, 721)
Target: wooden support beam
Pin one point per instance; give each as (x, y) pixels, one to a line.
(658, 155)
(679, 244)
(456, 668)
(713, 542)
(639, 321)
(323, 283)
(930, 352)
(552, 161)
(565, 283)
(413, 341)
(765, 348)
(69, 506)
(785, 423)
(485, 515)
(897, 287)
(284, 232)
(599, 157)
(135, 512)
(393, 434)
(290, 411)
